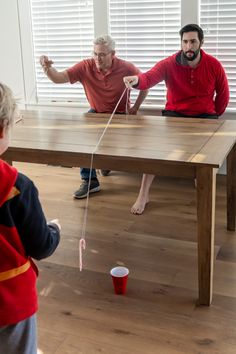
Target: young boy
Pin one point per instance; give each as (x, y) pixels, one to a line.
(24, 233)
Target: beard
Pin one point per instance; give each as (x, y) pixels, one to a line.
(194, 54)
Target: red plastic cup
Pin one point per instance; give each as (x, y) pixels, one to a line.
(119, 277)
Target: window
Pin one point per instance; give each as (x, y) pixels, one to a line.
(146, 31)
(62, 30)
(218, 20)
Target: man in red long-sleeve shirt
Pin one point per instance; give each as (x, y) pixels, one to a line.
(196, 87)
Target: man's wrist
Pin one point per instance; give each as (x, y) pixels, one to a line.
(46, 69)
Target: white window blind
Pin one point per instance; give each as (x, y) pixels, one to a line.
(64, 31)
(218, 20)
(146, 31)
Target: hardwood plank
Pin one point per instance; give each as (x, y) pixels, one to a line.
(217, 148)
(79, 312)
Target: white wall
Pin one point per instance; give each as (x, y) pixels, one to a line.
(101, 11)
(189, 12)
(11, 72)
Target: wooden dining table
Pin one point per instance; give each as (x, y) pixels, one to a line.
(164, 146)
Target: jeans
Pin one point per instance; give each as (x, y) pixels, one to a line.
(92, 110)
(84, 173)
(19, 338)
(177, 114)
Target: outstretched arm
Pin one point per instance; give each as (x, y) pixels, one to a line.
(58, 77)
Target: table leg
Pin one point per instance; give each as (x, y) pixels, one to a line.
(206, 187)
(231, 189)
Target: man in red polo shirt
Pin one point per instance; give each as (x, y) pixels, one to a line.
(196, 87)
(102, 79)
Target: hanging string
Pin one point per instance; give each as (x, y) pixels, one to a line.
(127, 100)
(82, 243)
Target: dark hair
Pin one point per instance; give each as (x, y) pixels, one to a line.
(192, 28)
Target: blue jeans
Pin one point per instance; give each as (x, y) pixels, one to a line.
(84, 173)
(168, 113)
(19, 338)
(92, 110)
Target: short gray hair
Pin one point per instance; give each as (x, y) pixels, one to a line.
(105, 40)
(7, 106)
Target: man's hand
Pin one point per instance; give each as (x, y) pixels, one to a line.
(130, 81)
(45, 62)
(58, 77)
(132, 110)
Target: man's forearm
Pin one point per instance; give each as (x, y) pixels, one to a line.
(141, 97)
(56, 76)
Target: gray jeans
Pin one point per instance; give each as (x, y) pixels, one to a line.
(20, 338)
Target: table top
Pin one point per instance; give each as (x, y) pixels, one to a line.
(168, 140)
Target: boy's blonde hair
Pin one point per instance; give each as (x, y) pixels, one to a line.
(7, 106)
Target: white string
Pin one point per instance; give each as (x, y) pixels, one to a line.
(82, 243)
(127, 100)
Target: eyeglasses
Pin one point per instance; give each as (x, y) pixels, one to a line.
(100, 55)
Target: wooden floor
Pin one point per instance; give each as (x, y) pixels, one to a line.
(79, 312)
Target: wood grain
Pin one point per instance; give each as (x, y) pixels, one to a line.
(163, 146)
(79, 312)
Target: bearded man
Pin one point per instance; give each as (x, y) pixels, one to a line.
(196, 87)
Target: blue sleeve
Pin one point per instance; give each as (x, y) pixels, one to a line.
(39, 238)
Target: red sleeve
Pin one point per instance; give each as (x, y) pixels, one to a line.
(222, 91)
(76, 72)
(153, 76)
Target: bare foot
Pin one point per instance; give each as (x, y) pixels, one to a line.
(143, 196)
(139, 206)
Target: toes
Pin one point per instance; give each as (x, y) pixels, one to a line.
(137, 210)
